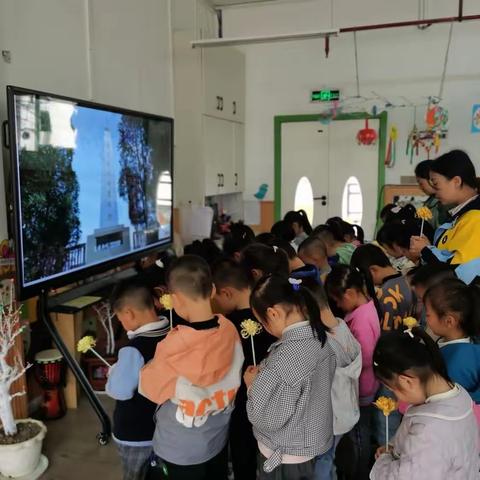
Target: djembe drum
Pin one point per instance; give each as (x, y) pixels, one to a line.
(50, 372)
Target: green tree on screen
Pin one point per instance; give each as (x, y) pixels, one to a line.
(50, 210)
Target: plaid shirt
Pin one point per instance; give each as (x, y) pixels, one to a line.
(289, 403)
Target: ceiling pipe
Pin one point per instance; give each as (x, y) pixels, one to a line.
(378, 26)
(460, 10)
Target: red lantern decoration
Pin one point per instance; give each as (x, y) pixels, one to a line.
(366, 136)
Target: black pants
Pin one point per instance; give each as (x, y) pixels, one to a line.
(216, 468)
(243, 446)
(294, 471)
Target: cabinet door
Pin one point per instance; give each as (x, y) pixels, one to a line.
(218, 144)
(215, 80)
(239, 173)
(224, 83)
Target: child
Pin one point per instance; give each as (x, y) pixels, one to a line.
(233, 299)
(438, 437)
(453, 314)
(194, 375)
(314, 252)
(258, 260)
(237, 239)
(347, 287)
(335, 243)
(394, 294)
(300, 224)
(394, 238)
(348, 357)
(439, 212)
(289, 395)
(133, 425)
(422, 279)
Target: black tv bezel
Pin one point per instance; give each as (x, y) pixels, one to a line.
(25, 292)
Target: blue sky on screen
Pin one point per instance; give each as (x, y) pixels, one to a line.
(87, 162)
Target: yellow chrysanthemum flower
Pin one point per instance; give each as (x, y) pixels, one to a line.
(85, 344)
(410, 322)
(424, 213)
(250, 328)
(386, 405)
(166, 301)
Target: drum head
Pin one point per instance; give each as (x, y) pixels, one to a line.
(48, 356)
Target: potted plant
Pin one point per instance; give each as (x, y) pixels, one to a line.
(21, 440)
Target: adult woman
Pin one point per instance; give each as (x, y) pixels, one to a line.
(439, 211)
(453, 177)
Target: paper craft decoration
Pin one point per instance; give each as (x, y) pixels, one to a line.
(166, 301)
(425, 214)
(386, 405)
(87, 344)
(250, 328)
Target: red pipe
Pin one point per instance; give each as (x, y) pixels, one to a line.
(427, 21)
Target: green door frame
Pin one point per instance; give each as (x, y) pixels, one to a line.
(281, 119)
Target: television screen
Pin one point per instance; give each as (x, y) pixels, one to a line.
(92, 187)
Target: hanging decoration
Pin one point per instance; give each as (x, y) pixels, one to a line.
(436, 119)
(367, 135)
(391, 155)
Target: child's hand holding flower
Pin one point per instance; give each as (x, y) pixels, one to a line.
(250, 374)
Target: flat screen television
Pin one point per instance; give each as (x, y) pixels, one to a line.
(92, 187)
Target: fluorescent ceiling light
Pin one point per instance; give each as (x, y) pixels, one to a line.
(225, 42)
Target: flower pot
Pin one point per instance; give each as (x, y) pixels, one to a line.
(21, 459)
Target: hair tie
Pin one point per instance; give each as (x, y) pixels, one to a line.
(295, 283)
(410, 323)
(275, 248)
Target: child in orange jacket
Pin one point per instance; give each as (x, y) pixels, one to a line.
(194, 376)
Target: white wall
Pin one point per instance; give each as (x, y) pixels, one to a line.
(111, 51)
(394, 63)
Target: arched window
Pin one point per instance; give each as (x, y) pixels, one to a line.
(352, 202)
(304, 197)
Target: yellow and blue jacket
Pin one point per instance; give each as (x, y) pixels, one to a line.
(457, 241)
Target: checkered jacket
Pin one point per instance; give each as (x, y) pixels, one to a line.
(289, 403)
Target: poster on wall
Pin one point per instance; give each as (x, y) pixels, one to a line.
(476, 118)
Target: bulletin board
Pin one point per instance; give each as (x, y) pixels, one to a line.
(403, 194)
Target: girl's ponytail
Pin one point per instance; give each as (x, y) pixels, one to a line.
(412, 350)
(280, 290)
(310, 307)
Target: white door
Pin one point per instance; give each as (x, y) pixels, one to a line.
(350, 161)
(329, 156)
(305, 154)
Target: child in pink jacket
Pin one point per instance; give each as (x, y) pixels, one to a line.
(347, 287)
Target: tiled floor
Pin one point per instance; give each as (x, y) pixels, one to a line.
(72, 448)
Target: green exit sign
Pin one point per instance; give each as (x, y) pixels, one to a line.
(325, 95)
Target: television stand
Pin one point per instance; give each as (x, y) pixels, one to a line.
(44, 310)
